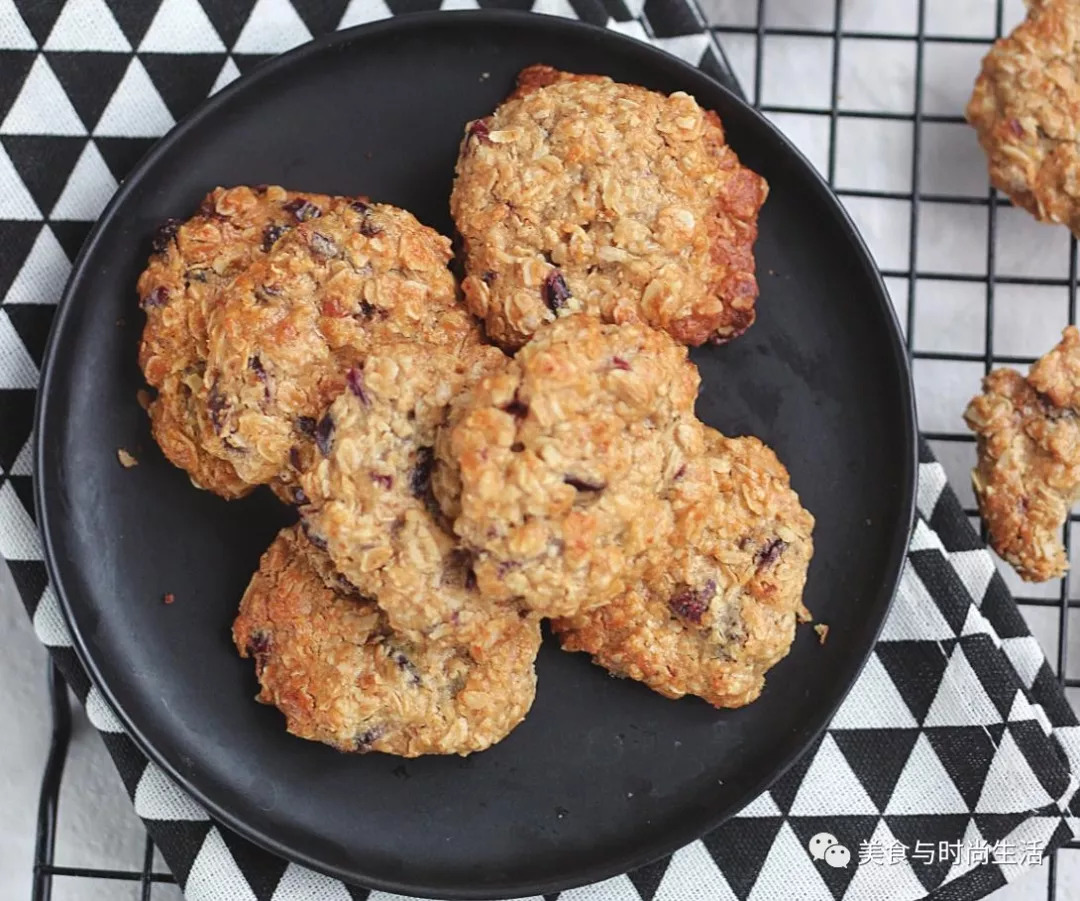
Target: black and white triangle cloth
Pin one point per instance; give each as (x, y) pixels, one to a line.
(957, 735)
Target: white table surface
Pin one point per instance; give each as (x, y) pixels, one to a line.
(97, 825)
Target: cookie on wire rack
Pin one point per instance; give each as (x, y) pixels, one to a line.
(1028, 471)
(1026, 110)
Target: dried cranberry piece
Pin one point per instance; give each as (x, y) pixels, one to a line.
(302, 208)
(294, 457)
(386, 481)
(367, 738)
(556, 292)
(620, 363)
(361, 206)
(256, 366)
(215, 407)
(259, 643)
(306, 424)
(516, 408)
(300, 496)
(584, 484)
(770, 552)
(679, 473)
(420, 481)
(156, 298)
(323, 245)
(404, 663)
(690, 603)
(314, 537)
(367, 310)
(368, 228)
(480, 130)
(165, 233)
(270, 235)
(470, 580)
(259, 648)
(354, 378)
(488, 277)
(324, 434)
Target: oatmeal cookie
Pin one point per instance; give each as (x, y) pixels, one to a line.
(1028, 472)
(559, 465)
(369, 495)
(582, 194)
(191, 261)
(328, 660)
(718, 607)
(287, 330)
(1026, 110)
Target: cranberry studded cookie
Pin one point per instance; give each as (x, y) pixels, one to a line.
(191, 261)
(287, 330)
(1028, 472)
(580, 194)
(558, 467)
(327, 659)
(369, 496)
(1026, 110)
(718, 608)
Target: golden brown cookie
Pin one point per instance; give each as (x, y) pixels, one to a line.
(288, 329)
(1026, 110)
(558, 467)
(327, 659)
(191, 261)
(717, 607)
(1028, 472)
(582, 194)
(369, 497)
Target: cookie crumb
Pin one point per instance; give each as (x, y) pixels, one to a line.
(169, 597)
(126, 460)
(143, 397)
(822, 630)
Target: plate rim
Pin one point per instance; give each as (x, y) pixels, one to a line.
(611, 865)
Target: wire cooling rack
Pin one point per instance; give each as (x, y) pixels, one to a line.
(976, 284)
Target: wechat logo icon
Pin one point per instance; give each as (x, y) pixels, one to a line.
(824, 846)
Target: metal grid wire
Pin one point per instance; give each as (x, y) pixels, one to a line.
(46, 870)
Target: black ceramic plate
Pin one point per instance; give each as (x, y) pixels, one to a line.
(603, 775)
